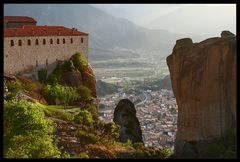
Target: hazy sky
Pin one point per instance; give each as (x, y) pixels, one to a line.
(179, 18)
(142, 14)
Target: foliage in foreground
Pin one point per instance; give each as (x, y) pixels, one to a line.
(14, 89)
(27, 134)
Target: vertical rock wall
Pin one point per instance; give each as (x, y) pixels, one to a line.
(203, 77)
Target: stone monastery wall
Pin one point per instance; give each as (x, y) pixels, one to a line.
(28, 53)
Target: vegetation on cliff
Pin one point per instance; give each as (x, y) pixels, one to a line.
(35, 127)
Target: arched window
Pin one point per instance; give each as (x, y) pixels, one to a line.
(57, 41)
(81, 40)
(63, 40)
(51, 41)
(36, 63)
(44, 41)
(71, 40)
(36, 42)
(20, 42)
(12, 43)
(29, 42)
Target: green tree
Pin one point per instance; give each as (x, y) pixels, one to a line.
(42, 75)
(63, 93)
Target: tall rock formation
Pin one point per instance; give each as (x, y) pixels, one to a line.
(203, 77)
(125, 116)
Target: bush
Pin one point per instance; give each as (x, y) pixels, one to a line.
(27, 134)
(79, 61)
(83, 117)
(42, 75)
(99, 151)
(93, 110)
(64, 93)
(83, 155)
(84, 93)
(14, 89)
(86, 137)
(111, 130)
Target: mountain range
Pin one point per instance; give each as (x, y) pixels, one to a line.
(109, 37)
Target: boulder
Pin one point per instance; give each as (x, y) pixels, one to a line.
(125, 117)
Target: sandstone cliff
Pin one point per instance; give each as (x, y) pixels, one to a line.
(203, 77)
(76, 79)
(125, 116)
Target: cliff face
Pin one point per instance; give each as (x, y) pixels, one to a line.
(76, 79)
(125, 116)
(203, 77)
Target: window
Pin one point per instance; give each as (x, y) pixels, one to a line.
(71, 40)
(12, 43)
(57, 41)
(46, 61)
(44, 41)
(36, 42)
(81, 40)
(36, 63)
(29, 42)
(51, 41)
(63, 40)
(20, 42)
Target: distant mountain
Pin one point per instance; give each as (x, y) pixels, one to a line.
(209, 21)
(109, 36)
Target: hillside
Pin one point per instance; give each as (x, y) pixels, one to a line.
(57, 117)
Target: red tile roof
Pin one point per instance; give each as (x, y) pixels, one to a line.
(28, 31)
(19, 19)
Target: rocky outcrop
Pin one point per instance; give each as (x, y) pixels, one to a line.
(203, 77)
(125, 117)
(76, 79)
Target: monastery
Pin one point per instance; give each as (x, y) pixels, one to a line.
(29, 47)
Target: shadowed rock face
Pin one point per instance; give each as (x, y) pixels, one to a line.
(76, 79)
(125, 116)
(203, 77)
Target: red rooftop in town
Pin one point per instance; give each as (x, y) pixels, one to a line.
(27, 31)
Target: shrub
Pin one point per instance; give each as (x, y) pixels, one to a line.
(79, 61)
(83, 155)
(42, 75)
(14, 89)
(99, 151)
(64, 93)
(27, 134)
(83, 117)
(111, 130)
(86, 137)
(84, 93)
(93, 110)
